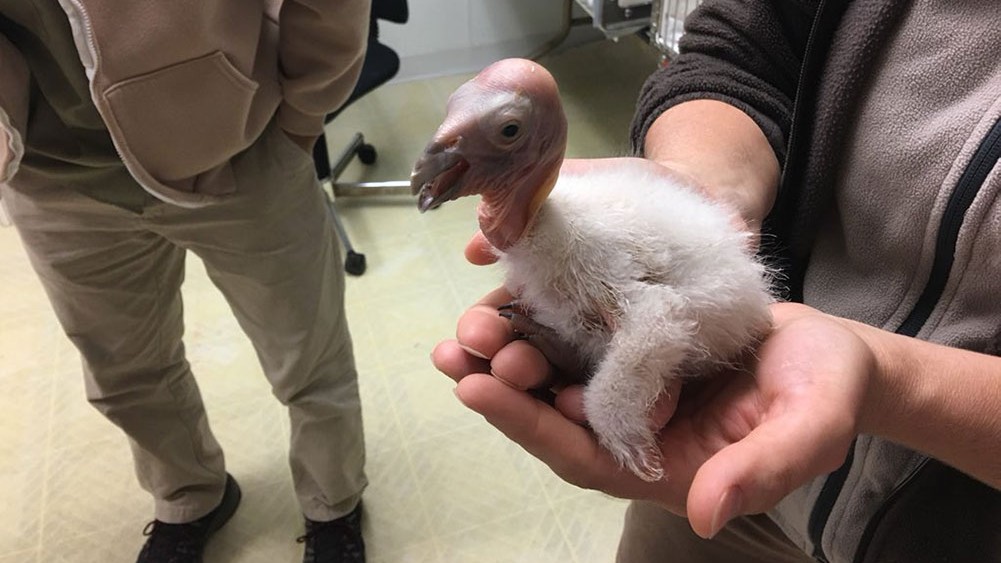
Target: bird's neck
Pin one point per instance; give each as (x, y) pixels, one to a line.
(505, 216)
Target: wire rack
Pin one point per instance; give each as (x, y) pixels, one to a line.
(667, 23)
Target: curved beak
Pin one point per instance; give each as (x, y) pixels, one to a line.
(437, 176)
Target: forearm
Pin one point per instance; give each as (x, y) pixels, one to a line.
(944, 402)
(723, 150)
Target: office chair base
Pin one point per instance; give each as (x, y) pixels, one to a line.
(366, 153)
(354, 264)
(357, 147)
(395, 187)
(381, 64)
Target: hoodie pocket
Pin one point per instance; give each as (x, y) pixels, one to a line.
(183, 120)
(14, 101)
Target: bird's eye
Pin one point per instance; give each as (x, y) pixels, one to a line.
(510, 130)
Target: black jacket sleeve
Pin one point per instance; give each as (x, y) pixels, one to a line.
(746, 53)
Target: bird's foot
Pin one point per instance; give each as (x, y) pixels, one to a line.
(623, 426)
(560, 353)
(644, 461)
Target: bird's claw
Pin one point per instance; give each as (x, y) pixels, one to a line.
(644, 461)
(557, 351)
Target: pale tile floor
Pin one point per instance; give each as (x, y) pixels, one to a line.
(445, 486)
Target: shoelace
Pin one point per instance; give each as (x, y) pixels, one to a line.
(168, 542)
(340, 536)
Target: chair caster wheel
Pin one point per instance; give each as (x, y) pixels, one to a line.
(367, 154)
(354, 264)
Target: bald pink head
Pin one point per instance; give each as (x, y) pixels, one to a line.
(504, 137)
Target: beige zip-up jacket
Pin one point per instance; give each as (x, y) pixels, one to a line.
(185, 85)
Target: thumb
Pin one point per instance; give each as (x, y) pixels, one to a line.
(753, 474)
(479, 251)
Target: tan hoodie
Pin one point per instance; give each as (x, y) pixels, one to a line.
(185, 85)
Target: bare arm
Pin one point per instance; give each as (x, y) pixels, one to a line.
(722, 150)
(944, 402)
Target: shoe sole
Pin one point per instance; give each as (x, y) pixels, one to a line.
(227, 507)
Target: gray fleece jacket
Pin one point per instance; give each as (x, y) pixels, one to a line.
(886, 117)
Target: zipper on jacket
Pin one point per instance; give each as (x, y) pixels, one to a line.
(873, 524)
(970, 182)
(825, 21)
(967, 188)
(825, 503)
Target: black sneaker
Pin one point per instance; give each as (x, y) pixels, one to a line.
(336, 541)
(184, 543)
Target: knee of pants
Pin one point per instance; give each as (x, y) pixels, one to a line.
(296, 375)
(116, 391)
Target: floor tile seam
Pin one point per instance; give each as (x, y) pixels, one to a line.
(508, 516)
(369, 334)
(87, 443)
(453, 288)
(451, 226)
(385, 292)
(367, 237)
(397, 289)
(563, 527)
(446, 228)
(423, 501)
(457, 429)
(552, 510)
(216, 400)
(394, 416)
(20, 552)
(101, 530)
(396, 554)
(50, 452)
(453, 280)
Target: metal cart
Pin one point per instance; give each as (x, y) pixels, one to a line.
(661, 20)
(667, 23)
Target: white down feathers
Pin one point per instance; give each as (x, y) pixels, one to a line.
(648, 281)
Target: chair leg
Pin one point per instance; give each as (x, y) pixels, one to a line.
(354, 262)
(349, 152)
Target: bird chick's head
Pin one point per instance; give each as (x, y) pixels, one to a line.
(503, 137)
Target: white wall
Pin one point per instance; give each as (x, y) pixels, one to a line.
(452, 36)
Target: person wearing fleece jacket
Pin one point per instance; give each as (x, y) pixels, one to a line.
(133, 132)
(861, 139)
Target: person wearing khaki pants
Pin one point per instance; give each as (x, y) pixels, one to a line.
(114, 277)
(122, 147)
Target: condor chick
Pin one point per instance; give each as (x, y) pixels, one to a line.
(643, 278)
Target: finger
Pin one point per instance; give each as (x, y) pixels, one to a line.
(481, 331)
(479, 251)
(570, 403)
(449, 358)
(521, 365)
(752, 475)
(567, 448)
